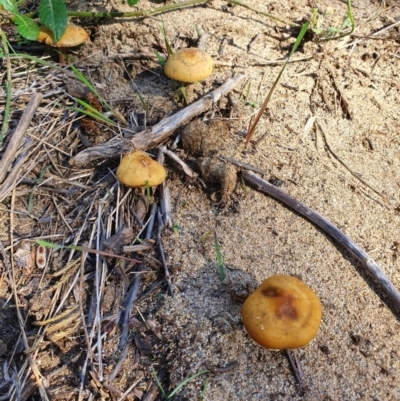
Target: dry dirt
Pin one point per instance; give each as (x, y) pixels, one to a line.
(350, 173)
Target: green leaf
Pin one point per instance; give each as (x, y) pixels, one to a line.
(53, 14)
(26, 27)
(133, 2)
(10, 5)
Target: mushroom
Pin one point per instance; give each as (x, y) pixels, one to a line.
(188, 66)
(73, 36)
(283, 313)
(138, 169)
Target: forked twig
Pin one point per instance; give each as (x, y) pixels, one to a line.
(324, 224)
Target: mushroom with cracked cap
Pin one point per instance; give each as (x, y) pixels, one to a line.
(283, 313)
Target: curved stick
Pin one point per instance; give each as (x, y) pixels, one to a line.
(324, 224)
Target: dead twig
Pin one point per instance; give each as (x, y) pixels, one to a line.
(131, 295)
(149, 139)
(324, 224)
(18, 134)
(162, 254)
(126, 312)
(243, 165)
(187, 170)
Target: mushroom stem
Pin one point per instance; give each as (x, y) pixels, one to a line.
(324, 224)
(63, 55)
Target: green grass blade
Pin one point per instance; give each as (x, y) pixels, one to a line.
(159, 385)
(252, 128)
(89, 85)
(186, 381)
(148, 192)
(205, 387)
(30, 201)
(167, 45)
(96, 116)
(7, 87)
(90, 111)
(221, 267)
(160, 58)
(85, 81)
(49, 244)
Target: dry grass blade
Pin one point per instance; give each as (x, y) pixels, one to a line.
(65, 331)
(67, 315)
(18, 134)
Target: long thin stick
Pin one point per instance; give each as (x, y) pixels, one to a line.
(18, 134)
(324, 224)
(162, 254)
(158, 133)
(7, 87)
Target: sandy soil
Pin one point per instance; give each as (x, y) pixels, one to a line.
(354, 182)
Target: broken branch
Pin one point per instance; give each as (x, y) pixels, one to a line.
(149, 139)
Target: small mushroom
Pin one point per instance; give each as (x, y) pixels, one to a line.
(283, 313)
(73, 36)
(138, 168)
(189, 65)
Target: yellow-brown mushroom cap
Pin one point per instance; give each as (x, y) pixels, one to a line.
(282, 313)
(73, 36)
(137, 168)
(189, 65)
